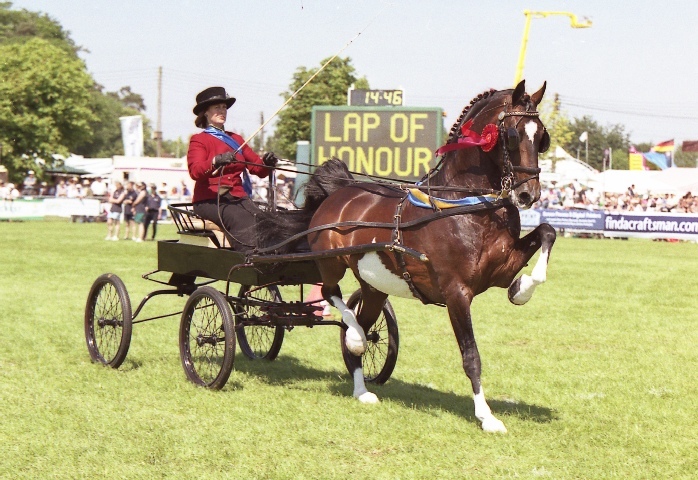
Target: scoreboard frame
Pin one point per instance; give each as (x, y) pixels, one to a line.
(383, 141)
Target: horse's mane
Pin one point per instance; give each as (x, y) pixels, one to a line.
(468, 112)
(328, 178)
(275, 227)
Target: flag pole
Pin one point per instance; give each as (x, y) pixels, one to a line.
(586, 140)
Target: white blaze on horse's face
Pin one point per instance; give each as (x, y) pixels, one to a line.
(531, 129)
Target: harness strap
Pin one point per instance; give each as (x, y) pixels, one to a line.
(400, 259)
(495, 205)
(397, 250)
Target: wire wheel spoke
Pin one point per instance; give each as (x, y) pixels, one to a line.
(206, 340)
(108, 322)
(377, 352)
(258, 341)
(259, 338)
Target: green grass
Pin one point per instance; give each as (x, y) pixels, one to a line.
(594, 378)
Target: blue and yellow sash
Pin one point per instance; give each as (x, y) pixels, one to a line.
(420, 199)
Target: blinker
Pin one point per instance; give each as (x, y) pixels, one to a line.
(512, 139)
(544, 144)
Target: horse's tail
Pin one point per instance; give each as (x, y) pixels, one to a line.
(275, 227)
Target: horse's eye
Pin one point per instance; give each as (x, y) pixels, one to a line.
(544, 144)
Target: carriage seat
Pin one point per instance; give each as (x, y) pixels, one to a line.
(194, 230)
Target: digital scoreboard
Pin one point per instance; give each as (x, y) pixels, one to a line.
(375, 98)
(396, 142)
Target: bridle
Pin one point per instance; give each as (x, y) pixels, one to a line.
(510, 140)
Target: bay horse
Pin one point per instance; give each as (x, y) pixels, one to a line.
(462, 255)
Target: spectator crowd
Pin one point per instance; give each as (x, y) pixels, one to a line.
(576, 196)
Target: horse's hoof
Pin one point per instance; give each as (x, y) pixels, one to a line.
(369, 397)
(521, 290)
(492, 424)
(355, 343)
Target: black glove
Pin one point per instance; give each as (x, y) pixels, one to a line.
(270, 159)
(223, 159)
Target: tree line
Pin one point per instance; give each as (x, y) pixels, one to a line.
(50, 104)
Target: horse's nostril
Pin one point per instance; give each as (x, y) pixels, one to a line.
(525, 198)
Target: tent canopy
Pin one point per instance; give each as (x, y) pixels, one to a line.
(672, 180)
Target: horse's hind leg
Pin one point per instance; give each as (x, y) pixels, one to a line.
(370, 308)
(332, 272)
(521, 290)
(458, 304)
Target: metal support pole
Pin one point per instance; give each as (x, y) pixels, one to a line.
(158, 132)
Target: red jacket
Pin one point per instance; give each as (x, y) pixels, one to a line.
(202, 148)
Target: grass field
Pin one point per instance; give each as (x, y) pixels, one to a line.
(594, 378)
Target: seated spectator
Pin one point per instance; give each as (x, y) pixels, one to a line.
(61, 189)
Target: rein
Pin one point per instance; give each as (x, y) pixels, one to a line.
(461, 210)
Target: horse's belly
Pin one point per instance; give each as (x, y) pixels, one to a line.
(373, 272)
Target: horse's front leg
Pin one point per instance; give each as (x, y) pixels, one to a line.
(459, 311)
(543, 237)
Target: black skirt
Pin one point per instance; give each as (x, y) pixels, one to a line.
(236, 218)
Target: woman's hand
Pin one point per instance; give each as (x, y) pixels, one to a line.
(269, 159)
(223, 159)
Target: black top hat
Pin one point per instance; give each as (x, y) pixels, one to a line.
(210, 96)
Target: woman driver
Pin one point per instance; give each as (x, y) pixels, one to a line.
(214, 166)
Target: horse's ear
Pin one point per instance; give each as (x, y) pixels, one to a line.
(519, 92)
(538, 96)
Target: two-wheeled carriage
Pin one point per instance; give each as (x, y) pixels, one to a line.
(249, 313)
(396, 240)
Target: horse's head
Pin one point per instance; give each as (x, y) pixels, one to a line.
(521, 137)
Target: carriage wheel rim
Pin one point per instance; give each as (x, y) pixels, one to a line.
(107, 323)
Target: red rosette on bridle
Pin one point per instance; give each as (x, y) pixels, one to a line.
(490, 134)
(469, 138)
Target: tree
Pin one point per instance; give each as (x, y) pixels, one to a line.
(107, 108)
(100, 136)
(685, 159)
(328, 88)
(556, 122)
(44, 103)
(18, 26)
(599, 139)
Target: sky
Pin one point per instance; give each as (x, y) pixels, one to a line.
(635, 66)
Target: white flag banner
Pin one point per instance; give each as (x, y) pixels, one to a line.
(583, 137)
(132, 135)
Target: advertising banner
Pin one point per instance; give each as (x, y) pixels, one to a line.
(651, 225)
(132, 135)
(578, 220)
(396, 142)
(682, 226)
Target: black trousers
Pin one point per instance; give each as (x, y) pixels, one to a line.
(151, 216)
(236, 219)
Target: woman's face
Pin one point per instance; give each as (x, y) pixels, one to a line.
(216, 114)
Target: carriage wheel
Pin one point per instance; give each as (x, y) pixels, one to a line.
(380, 357)
(206, 339)
(108, 321)
(258, 341)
